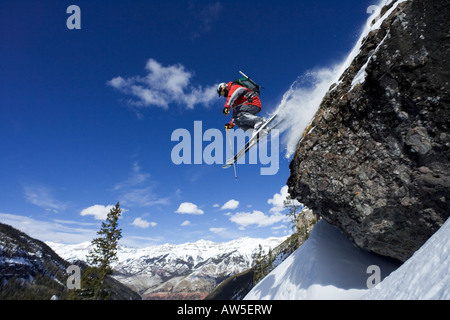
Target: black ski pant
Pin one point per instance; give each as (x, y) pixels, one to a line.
(245, 116)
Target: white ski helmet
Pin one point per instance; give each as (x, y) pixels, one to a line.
(222, 87)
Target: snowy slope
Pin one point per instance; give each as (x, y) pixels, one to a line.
(426, 275)
(326, 266)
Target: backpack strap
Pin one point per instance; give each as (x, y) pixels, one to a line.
(250, 95)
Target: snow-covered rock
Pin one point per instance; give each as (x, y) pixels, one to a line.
(326, 266)
(426, 275)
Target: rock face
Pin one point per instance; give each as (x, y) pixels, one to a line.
(376, 163)
(29, 269)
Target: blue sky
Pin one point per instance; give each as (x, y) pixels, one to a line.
(87, 116)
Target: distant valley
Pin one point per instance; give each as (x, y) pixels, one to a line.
(186, 271)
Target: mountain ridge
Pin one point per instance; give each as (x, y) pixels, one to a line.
(183, 271)
(31, 269)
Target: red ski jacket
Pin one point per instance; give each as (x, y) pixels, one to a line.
(240, 96)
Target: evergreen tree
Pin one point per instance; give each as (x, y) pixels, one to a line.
(302, 218)
(105, 246)
(295, 208)
(259, 265)
(270, 259)
(100, 259)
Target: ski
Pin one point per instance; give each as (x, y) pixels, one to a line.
(252, 142)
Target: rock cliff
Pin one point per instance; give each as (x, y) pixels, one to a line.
(375, 160)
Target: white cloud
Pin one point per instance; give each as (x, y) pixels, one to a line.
(60, 231)
(140, 242)
(283, 227)
(79, 223)
(42, 197)
(142, 197)
(278, 200)
(98, 211)
(230, 205)
(204, 18)
(185, 223)
(258, 218)
(189, 208)
(136, 177)
(217, 230)
(144, 224)
(163, 86)
(136, 190)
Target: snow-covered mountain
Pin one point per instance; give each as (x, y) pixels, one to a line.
(328, 266)
(189, 270)
(30, 270)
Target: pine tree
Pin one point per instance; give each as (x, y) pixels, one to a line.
(302, 218)
(100, 259)
(270, 259)
(295, 208)
(105, 246)
(259, 265)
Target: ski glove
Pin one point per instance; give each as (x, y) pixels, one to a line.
(226, 111)
(228, 126)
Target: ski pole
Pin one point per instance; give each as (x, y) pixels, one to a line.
(248, 78)
(243, 74)
(232, 153)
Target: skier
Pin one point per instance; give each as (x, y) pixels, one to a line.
(245, 103)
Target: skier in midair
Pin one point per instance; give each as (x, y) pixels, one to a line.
(245, 104)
